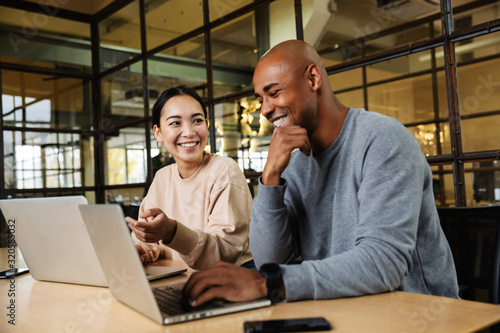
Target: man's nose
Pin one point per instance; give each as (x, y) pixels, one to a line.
(266, 108)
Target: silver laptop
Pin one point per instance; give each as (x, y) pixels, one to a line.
(54, 242)
(99, 215)
(123, 270)
(53, 239)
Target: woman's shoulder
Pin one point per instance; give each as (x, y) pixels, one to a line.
(166, 171)
(226, 163)
(225, 167)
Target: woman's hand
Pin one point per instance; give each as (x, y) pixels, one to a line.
(156, 227)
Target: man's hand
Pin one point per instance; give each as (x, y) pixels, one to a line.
(227, 281)
(157, 226)
(283, 142)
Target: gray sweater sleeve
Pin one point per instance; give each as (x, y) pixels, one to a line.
(272, 228)
(377, 199)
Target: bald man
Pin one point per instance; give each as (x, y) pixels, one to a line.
(350, 213)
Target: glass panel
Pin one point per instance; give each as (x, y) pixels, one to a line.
(161, 157)
(122, 97)
(68, 56)
(338, 53)
(44, 38)
(479, 87)
(235, 54)
(352, 98)
(126, 157)
(405, 65)
(120, 36)
(34, 100)
(43, 160)
(481, 14)
(177, 66)
(166, 72)
(219, 8)
(354, 27)
(193, 49)
(242, 133)
(345, 80)
(277, 22)
(88, 161)
(125, 197)
(169, 19)
(477, 48)
(375, 44)
(448, 187)
(481, 133)
(408, 100)
(482, 183)
(25, 62)
(90, 195)
(184, 62)
(443, 184)
(26, 26)
(442, 94)
(158, 83)
(427, 138)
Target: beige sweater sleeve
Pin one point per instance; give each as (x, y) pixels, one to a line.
(212, 209)
(225, 236)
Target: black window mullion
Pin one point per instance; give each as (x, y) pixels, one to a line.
(453, 104)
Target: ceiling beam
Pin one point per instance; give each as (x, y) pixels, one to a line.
(47, 9)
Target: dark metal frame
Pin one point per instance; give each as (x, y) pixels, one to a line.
(447, 39)
(2, 151)
(145, 96)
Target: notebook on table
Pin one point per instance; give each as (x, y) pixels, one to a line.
(120, 259)
(54, 242)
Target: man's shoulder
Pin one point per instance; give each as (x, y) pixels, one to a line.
(375, 123)
(370, 117)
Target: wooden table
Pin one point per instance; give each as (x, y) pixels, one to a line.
(58, 307)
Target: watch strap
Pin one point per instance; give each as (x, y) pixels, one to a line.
(272, 273)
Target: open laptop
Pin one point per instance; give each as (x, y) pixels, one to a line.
(123, 270)
(54, 242)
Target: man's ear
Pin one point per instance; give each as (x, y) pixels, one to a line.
(157, 132)
(314, 78)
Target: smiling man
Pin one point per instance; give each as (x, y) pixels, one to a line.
(355, 203)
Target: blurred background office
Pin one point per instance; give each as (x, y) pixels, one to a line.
(78, 80)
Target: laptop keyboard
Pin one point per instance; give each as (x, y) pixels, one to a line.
(170, 300)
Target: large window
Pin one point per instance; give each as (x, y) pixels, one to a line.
(78, 85)
(37, 160)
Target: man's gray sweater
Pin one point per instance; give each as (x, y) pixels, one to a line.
(361, 215)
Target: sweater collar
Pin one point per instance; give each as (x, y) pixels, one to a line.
(335, 146)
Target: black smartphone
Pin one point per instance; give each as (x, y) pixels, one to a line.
(10, 273)
(288, 325)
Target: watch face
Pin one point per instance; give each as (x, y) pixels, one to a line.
(272, 274)
(274, 295)
(270, 268)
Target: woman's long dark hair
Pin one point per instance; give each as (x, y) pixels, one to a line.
(181, 90)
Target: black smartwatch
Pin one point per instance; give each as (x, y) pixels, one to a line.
(272, 273)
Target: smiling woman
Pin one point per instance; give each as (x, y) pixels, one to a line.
(198, 209)
(183, 129)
